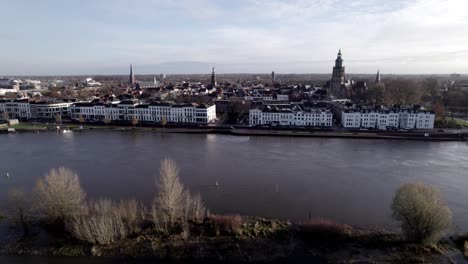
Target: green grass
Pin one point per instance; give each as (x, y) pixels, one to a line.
(28, 126)
(461, 122)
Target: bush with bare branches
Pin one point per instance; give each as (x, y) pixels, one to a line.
(106, 221)
(97, 229)
(226, 224)
(129, 212)
(59, 194)
(423, 213)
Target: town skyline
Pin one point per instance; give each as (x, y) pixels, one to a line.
(243, 37)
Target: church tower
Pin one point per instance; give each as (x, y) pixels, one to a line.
(213, 78)
(131, 79)
(377, 78)
(338, 76)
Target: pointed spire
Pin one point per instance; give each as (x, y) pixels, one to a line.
(213, 78)
(131, 79)
(377, 78)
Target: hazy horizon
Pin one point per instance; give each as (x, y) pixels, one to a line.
(52, 37)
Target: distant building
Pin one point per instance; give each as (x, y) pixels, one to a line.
(131, 79)
(213, 78)
(24, 109)
(272, 97)
(341, 87)
(9, 86)
(338, 76)
(290, 115)
(89, 82)
(154, 112)
(49, 109)
(273, 80)
(377, 78)
(383, 118)
(19, 109)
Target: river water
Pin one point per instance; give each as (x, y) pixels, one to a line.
(348, 180)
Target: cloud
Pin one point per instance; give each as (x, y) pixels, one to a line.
(401, 36)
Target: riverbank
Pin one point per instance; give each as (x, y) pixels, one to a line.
(257, 240)
(430, 135)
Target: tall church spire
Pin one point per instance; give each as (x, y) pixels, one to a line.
(339, 60)
(338, 76)
(213, 78)
(377, 78)
(131, 79)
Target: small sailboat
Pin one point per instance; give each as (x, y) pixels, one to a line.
(7, 175)
(216, 184)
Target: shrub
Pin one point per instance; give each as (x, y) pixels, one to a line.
(106, 222)
(193, 208)
(422, 212)
(320, 228)
(59, 194)
(226, 224)
(129, 212)
(97, 229)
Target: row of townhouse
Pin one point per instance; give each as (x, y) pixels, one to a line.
(290, 115)
(387, 118)
(273, 97)
(23, 109)
(152, 112)
(118, 111)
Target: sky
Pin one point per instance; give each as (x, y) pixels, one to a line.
(56, 37)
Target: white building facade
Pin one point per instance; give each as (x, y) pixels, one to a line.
(49, 110)
(150, 113)
(383, 119)
(290, 116)
(15, 109)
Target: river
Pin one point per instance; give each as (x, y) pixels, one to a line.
(348, 180)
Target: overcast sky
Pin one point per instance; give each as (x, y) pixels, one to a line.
(52, 37)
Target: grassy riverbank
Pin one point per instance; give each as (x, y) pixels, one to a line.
(255, 240)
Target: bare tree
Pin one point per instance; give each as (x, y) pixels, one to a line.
(81, 119)
(170, 197)
(59, 194)
(107, 121)
(402, 92)
(164, 122)
(58, 119)
(5, 115)
(173, 203)
(134, 121)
